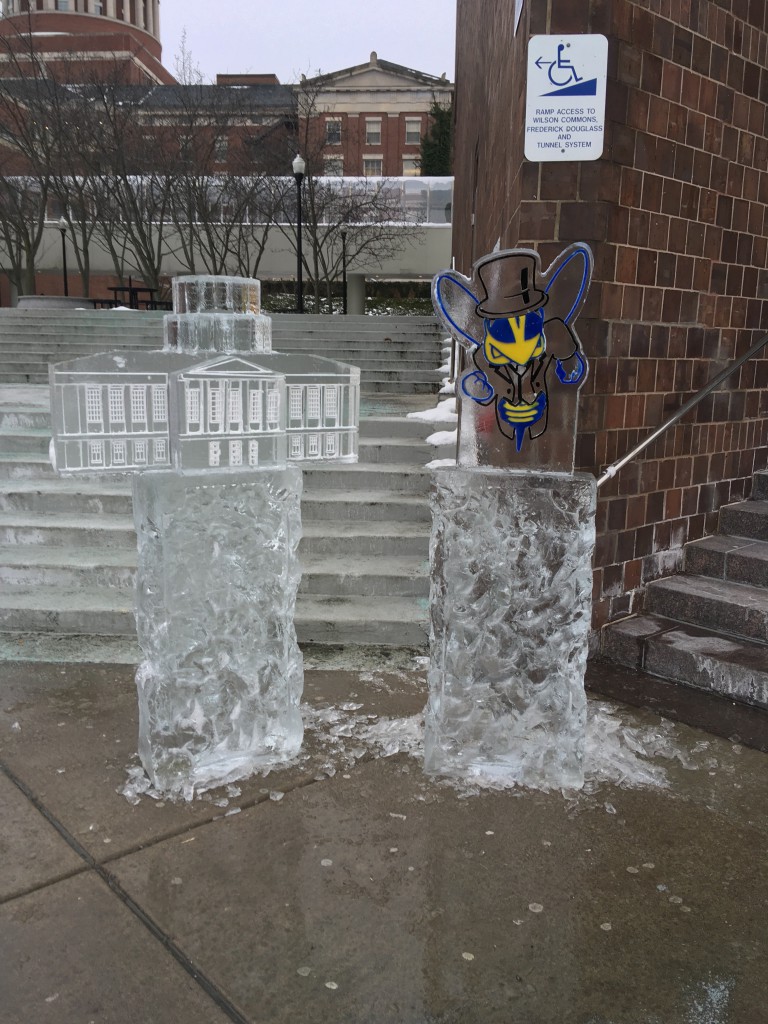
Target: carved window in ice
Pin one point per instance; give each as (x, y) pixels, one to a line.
(235, 453)
(93, 404)
(253, 453)
(330, 444)
(273, 409)
(116, 403)
(254, 407)
(138, 403)
(297, 446)
(313, 403)
(193, 407)
(214, 453)
(159, 403)
(118, 453)
(295, 403)
(160, 449)
(331, 403)
(313, 445)
(215, 404)
(235, 406)
(95, 453)
(140, 452)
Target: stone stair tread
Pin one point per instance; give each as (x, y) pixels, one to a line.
(67, 520)
(739, 609)
(710, 661)
(361, 528)
(331, 495)
(720, 590)
(44, 555)
(87, 486)
(364, 565)
(722, 556)
(69, 647)
(67, 599)
(351, 609)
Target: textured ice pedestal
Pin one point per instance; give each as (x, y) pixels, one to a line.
(510, 612)
(221, 679)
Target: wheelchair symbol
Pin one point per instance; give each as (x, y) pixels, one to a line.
(560, 72)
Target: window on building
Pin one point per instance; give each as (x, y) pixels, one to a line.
(235, 453)
(330, 444)
(95, 453)
(93, 404)
(254, 408)
(215, 404)
(373, 131)
(236, 407)
(253, 453)
(313, 402)
(160, 450)
(373, 166)
(221, 150)
(159, 403)
(333, 131)
(62, 5)
(333, 166)
(273, 409)
(140, 452)
(138, 403)
(297, 447)
(193, 406)
(118, 453)
(331, 403)
(295, 403)
(116, 404)
(413, 131)
(313, 445)
(411, 166)
(214, 453)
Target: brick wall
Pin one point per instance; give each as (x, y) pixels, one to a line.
(676, 214)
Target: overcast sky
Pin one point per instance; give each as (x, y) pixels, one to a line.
(294, 37)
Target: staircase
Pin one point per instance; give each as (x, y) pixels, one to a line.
(68, 546)
(707, 627)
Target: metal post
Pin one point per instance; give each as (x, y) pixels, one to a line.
(344, 271)
(298, 172)
(63, 230)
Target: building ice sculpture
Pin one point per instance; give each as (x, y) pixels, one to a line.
(513, 529)
(214, 428)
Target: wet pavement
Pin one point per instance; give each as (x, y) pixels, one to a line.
(347, 887)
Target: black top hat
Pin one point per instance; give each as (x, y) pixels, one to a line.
(508, 281)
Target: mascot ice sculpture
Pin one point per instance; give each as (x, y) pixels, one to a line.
(527, 362)
(513, 530)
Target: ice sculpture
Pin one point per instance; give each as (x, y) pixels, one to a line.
(513, 530)
(214, 429)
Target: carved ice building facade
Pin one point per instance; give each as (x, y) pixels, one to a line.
(246, 407)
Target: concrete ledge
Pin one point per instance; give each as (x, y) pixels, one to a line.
(54, 302)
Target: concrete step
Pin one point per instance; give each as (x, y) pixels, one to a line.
(367, 576)
(58, 648)
(392, 477)
(376, 386)
(745, 519)
(357, 537)
(22, 465)
(67, 529)
(734, 608)
(331, 505)
(760, 486)
(15, 417)
(71, 567)
(391, 621)
(65, 494)
(401, 426)
(704, 659)
(25, 439)
(406, 450)
(738, 559)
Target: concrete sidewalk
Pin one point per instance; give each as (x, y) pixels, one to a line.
(350, 888)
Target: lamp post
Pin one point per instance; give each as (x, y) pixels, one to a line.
(344, 270)
(299, 167)
(63, 230)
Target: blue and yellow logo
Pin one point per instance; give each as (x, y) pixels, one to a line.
(514, 339)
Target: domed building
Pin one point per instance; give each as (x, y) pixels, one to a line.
(83, 40)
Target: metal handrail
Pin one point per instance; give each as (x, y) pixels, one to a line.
(612, 470)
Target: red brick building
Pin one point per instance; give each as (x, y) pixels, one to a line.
(370, 118)
(76, 38)
(676, 212)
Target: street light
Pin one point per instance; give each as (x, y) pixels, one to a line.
(63, 230)
(344, 270)
(299, 167)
